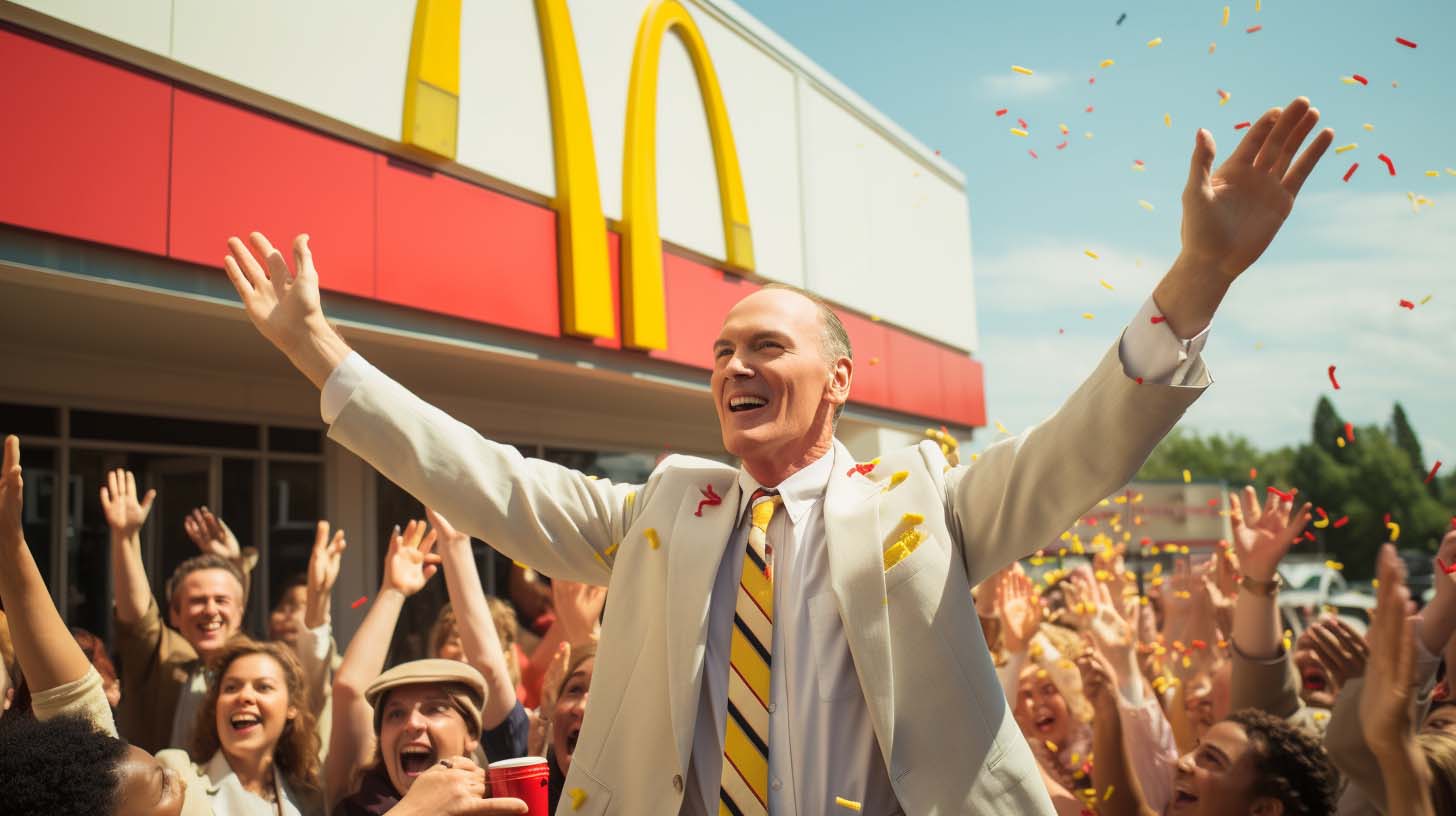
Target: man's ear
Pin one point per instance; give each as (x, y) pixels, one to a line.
(840, 377)
(1267, 806)
(174, 616)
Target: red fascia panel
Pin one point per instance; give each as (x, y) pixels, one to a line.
(965, 394)
(84, 149)
(235, 171)
(916, 379)
(698, 298)
(462, 250)
(869, 340)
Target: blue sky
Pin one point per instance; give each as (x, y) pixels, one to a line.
(1325, 294)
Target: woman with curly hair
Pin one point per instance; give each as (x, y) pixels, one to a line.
(255, 745)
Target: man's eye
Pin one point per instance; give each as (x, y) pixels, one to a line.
(723, 352)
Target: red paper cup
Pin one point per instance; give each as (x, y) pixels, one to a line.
(525, 778)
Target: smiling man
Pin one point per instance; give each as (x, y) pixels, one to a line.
(799, 630)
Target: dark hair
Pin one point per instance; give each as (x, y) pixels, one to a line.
(1291, 766)
(197, 563)
(60, 767)
(297, 579)
(296, 754)
(834, 339)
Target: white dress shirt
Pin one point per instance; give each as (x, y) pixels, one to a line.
(821, 741)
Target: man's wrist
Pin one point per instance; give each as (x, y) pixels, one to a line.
(317, 351)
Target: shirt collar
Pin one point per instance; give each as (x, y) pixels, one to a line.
(800, 491)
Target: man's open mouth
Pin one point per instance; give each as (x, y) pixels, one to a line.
(415, 759)
(210, 626)
(571, 737)
(1315, 680)
(746, 402)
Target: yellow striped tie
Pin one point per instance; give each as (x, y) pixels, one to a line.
(744, 790)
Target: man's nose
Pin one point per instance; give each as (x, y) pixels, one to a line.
(735, 367)
(1185, 763)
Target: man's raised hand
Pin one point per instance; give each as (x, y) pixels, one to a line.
(323, 571)
(125, 512)
(1262, 536)
(12, 493)
(210, 534)
(1230, 215)
(285, 306)
(411, 561)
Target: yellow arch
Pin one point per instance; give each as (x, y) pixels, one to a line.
(581, 229)
(644, 319)
(432, 84)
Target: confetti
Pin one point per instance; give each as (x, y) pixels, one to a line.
(1121, 17)
(1064, 129)
(1324, 519)
(1107, 63)
(1388, 163)
(1274, 491)
(1155, 42)
(1360, 79)
(1444, 568)
(1223, 96)
(1087, 315)
(1432, 474)
(1253, 29)
(1156, 319)
(1433, 172)
(1333, 381)
(1087, 109)
(1137, 164)
(1258, 5)
(1106, 285)
(1341, 522)
(1394, 531)
(1062, 146)
(897, 478)
(1187, 476)
(1022, 123)
(1340, 441)
(1349, 432)
(1089, 253)
(651, 535)
(710, 499)
(1406, 304)
(1427, 298)
(363, 599)
(1019, 132)
(1001, 112)
(1242, 125)
(1145, 205)
(1346, 148)
(1403, 41)
(1212, 46)
(1253, 473)
(863, 468)
(1368, 127)
(848, 804)
(1335, 565)
(1167, 120)
(578, 797)
(1051, 746)
(1225, 16)
(1087, 135)
(1032, 153)
(1023, 71)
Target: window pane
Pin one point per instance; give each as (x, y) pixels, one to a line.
(29, 420)
(239, 510)
(295, 440)
(295, 504)
(162, 430)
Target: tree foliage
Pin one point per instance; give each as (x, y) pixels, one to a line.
(1380, 472)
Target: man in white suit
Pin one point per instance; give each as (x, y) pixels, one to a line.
(797, 635)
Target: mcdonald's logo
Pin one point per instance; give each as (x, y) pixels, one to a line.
(431, 123)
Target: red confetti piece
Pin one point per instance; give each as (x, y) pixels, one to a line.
(1280, 493)
(1022, 122)
(861, 469)
(1033, 154)
(1253, 28)
(710, 499)
(1213, 502)
(1360, 79)
(1351, 171)
(1406, 304)
(1388, 163)
(1403, 41)
(1322, 512)
(1138, 162)
(1349, 432)
(1253, 473)
(937, 152)
(1091, 80)
(1242, 125)
(1444, 568)
(1200, 644)
(1341, 522)
(1158, 319)
(1061, 146)
(1001, 112)
(1432, 474)
(1333, 381)
(363, 599)
(1138, 380)
(1453, 522)
(1308, 536)
(1089, 109)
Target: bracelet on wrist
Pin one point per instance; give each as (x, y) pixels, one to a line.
(1266, 588)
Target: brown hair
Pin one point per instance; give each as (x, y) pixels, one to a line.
(443, 629)
(296, 754)
(197, 563)
(506, 628)
(1439, 749)
(580, 653)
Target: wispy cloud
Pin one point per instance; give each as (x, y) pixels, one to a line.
(1012, 85)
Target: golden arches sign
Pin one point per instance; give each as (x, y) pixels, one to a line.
(431, 122)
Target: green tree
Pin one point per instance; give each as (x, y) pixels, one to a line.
(1406, 439)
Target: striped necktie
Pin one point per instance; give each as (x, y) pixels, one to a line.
(744, 790)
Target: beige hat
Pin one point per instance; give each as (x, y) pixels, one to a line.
(433, 672)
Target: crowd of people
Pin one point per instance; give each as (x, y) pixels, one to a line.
(1181, 693)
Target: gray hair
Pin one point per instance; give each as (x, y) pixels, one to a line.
(833, 339)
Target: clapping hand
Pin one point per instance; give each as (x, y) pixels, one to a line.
(410, 562)
(323, 572)
(124, 512)
(1262, 537)
(1385, 701)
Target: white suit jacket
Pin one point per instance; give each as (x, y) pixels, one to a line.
(942, 722)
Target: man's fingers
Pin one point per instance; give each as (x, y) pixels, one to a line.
(131, 488)
(1254, 139)
(490, 807)
(321, 535)
(1202, 162)
(1294, 140)
(239, 280)
(11, 458)
(338, 544)
(244, 258)
(1251, 506)
(429, 542)
(1295, 178)
(302, 255)
(1288, 120)
(147, 501)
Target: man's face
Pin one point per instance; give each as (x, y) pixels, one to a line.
(771, 385)
(1215, 778)
(286, 619)
(419, 727)
(145, 787)
(207, 609)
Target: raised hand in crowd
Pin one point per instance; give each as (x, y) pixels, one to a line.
(1115, 788)
(578, 610)
(453, 787)
(1387, 699)
(126, 511)
(1262, 537)
(1438, 620)
(540, 735)
(1020, 611)
(1342, 651)
(324, 562)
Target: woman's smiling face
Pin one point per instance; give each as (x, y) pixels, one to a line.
(252, 705)
(1041, 710)
(570, 710)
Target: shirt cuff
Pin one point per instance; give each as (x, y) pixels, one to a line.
(341, 384)
(315, 642)
(1152, 352)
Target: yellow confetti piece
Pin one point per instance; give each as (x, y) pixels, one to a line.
(1450, 172)
(1187, 476)
(1394, 531)
(896, 478)
(1368, 126)
(1225, 16)
(1320, 715)
(1051, 746)
(1089, 253)
(1019, 132)
(1375, 583)
(1427, 298)
(610, 551)
(1138, 168)
(1087, 135)
(1167, 120)
(1350, 80)
(1187, 662)
(1433, 172)
(1107, 63)
(1145, 205)
(1001, 428)
(1323, 522)
(1335, 565)
(1023, 71)
(1064, 129)
(519, 564)
(912, 519)
(1041, 674)
(1155, 42)
(1258, 5)
(1076, 758)
(847, 804)
(578, 798)
(651, 535)
(1340, 441)
(1087, 316)
(1347, 148)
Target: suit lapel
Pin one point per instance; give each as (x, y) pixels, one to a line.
(856, 569)
(695, 551)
